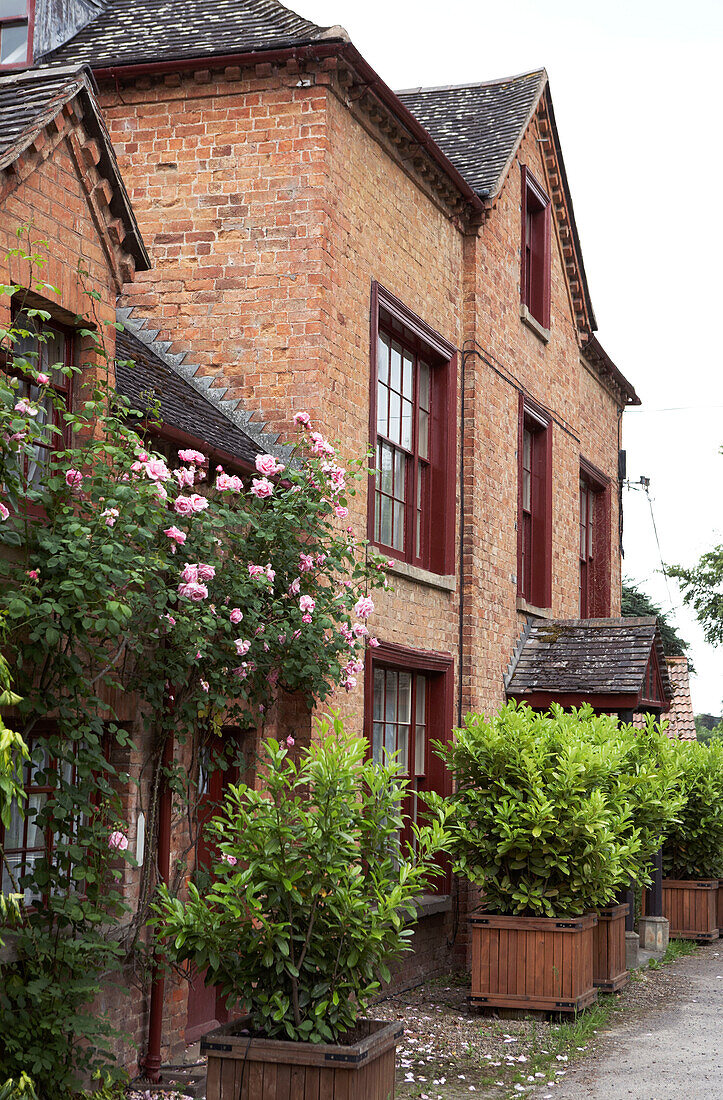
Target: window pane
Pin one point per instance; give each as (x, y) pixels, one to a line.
(14, 44)
(385, 520)
(420, 738)
(421, 707)
(403, 748)
(383, 358)
(398, 539)
(377, 514)
(14, 831)
(391, 702)
(9, 9)
(378, 742)
(395, 418)
(382, 408)
(390, 739)
(400, 463)
(423, 442)
(396, 367)
(408, 376)
(52, 350)
(378, 694)
(405, 697)
(407, 415)
(424, 386)
(526, 491)
(386, 460)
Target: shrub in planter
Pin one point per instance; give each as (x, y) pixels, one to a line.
(543, 822)
(312, 892)
(693, 851)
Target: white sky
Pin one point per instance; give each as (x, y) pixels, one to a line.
(636, 88)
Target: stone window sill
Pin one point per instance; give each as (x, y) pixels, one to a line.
(445, 582)
(429, 904)
(530, 609)
(533, 324)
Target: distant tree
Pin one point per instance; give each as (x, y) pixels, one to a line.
(708, 727)
(702, 588)
(637, 604)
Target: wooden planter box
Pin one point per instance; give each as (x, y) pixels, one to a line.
(608, 946)
(241, 1068)
(691, 908)
(532, 962)
(720, 907)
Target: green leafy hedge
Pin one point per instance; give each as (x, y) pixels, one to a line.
(556, 812)
(694, 848)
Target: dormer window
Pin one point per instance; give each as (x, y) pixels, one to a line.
(15, 21)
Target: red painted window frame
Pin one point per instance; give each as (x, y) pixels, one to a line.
(31, 30)
(438, 519)
(439, 670)
(535, 252)
(596, 572)
(534, 539)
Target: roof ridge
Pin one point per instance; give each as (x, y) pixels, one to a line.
(143, 329)
(471, 83)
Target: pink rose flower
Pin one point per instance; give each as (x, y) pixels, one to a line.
(364, 607)
(302, 419)
(373, 643)
(117, 841)
(320, 559)
(256, 570)
(206, 572)
(110, 515)
(43, 379)
(242, 646)
(74, 480)
(34, 574)
(296, 635)
(307, 603)
(268, 466)
(192, 456)
(236, 615)
(158, 491)
(204, 685)
(340, 511)
(349, 683)
(270, 573)
(185, 476)
(261, 487)
(306, 617)
(193, 591)
(260, 629)
(295, 587)
(156, 469)
(177, 536)
(290, 741)
(190, 573)
(360, 630)
(231, 860)
(306, 563)
(198, 503)
(169, 619)
(182, 506)
(25, 408)
(229, 482)
(4, 512)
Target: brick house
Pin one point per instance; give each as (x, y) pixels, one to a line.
(407, 267)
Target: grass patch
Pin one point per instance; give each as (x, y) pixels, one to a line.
(677, 949)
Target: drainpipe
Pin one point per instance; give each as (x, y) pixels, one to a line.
(151, 1064)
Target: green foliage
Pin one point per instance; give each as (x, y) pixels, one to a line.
(92, 609)
(300, 927)
(694, 847)
(17, 1088)
(708, 726)
(636, 603)
(702, 588)
(555, 812)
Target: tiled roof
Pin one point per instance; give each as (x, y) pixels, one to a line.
(169, 384)
(680, 715)
(131, 31)
(30, 100)
(586, 657)
(478, 126)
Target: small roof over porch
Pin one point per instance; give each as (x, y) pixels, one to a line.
(612, 664)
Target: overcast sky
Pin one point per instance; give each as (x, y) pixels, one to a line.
(636, 88)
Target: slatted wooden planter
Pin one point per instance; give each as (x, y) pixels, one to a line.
(241, 1068)
(532, 962)
(608, 939)
(691, 908)
(720, 907)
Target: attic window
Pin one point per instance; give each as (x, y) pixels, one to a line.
(14, 33)
(535, 274)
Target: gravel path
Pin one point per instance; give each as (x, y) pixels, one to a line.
(671, 1052)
